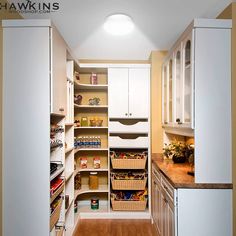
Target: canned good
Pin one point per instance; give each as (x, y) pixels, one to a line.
(94, 203)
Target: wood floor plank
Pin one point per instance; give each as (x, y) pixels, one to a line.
(115, 228)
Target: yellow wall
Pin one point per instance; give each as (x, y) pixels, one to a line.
(230, 13)
(3, 15)
(156, 59)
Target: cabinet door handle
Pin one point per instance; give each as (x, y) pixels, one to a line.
(130, 114)
(61, 109)
(126, 114)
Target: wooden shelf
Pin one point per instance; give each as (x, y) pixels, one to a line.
(91, 149)
(90, 86)
(69, 150)
(85, 189)
(91, 106)
(92, 127)
(56, 173)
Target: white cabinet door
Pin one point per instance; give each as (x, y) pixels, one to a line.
(170, 219)
(118, 92)
(188, 83)
(58, 74)
(164, 95)
(156, 204)
(178, 87)
(139, 80)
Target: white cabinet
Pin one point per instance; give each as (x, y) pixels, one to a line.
(156, 203)
(180, 72)
(34, 77)
(163, 205)
(118, 82)
(129, 92)
(186, 211)
(58, 73)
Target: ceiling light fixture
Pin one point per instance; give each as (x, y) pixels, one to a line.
(118, 24)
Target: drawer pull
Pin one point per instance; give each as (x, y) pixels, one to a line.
(61, 109)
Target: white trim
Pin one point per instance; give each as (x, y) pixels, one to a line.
(27, 23)
(113, 65)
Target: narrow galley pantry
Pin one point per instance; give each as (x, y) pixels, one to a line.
(118, 118)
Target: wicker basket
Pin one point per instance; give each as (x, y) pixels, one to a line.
(55, 215)
(128, 163)
(128, 184)
(128, 205)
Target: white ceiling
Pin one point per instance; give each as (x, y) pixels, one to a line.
(158, 23)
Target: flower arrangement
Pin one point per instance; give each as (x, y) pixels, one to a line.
(178, 151)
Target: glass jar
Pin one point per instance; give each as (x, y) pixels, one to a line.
(93, 180)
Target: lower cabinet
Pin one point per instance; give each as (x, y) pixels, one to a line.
(190, 211)
(163, 206)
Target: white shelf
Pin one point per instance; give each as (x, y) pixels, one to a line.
(85, 189)
(69, 124)
(90, 86)
(70, 204)
(56, 173)
(87, 209)
(91, 106)
(68, 175)
(90, 169)
(90, 127)
(69, 150)
(90, 149)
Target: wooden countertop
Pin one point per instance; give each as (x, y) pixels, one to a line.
(178, 177)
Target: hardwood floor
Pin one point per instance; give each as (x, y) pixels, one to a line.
(115, 228)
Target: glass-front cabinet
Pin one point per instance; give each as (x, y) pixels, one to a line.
(178, 87)
(164, 95)
(188, 86)
(170, 91)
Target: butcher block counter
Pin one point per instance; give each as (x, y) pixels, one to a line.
(177, 175)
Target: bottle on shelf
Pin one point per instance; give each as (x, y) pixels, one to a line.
(99, 142)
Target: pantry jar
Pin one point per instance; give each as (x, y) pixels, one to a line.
(93, 180)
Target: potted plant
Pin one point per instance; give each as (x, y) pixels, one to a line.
(175, 151)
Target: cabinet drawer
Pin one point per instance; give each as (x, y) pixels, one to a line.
(118, 142)
(127, 127)
(168, 189)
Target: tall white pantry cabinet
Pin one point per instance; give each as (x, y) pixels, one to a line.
(35, 88)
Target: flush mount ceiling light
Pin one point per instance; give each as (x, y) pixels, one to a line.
(118, 24)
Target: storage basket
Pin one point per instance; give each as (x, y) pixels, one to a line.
(128, 205)
(123, 184)
(136, 163)
(55, 215)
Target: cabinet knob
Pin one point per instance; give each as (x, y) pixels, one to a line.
(178, 121)
(126, 114)
(61, 109)
(130, 114)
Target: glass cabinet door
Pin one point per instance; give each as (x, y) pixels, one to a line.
(170, 88)
(178, 88)
(164, 96)
(187, 82)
